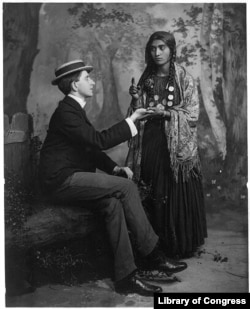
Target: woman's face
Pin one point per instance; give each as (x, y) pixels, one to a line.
(160, 52)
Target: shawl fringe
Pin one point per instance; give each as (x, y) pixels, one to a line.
(187, 169)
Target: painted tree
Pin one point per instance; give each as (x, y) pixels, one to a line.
(235, 86)
(211, 67)
(187, 54)
(20, 36)
(96, 19)
(61, 41)
(222, 48)
(187, 33)
(114, 33)
(223, 39)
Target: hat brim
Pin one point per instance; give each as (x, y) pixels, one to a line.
(87, 68)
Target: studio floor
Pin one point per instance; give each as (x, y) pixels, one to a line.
(222, 266)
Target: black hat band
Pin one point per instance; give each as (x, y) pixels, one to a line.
(69, 68)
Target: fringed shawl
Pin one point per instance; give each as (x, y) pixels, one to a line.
(180, 131)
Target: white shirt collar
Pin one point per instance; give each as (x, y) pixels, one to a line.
(79, 100)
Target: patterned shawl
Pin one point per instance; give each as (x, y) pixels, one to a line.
(180, 131)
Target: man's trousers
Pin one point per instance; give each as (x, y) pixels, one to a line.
(117, 200)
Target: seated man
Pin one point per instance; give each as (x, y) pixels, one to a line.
(70, 155)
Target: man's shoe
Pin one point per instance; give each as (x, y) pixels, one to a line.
(157, 260)
(135, 285)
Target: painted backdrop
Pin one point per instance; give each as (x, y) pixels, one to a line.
(211, 44)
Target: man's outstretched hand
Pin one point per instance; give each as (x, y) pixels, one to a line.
(141, 113)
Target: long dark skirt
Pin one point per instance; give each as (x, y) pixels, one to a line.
(176, 209)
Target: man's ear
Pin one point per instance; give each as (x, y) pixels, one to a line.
(74, 86)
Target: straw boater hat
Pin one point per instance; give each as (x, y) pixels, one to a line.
(68, 68)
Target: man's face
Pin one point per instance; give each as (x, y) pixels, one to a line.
(85, 85)
(160, 52)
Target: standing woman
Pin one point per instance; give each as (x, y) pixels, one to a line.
(164, 155)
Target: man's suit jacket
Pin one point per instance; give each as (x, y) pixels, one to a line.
(73, 145)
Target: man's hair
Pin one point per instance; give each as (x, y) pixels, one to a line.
(65, 83)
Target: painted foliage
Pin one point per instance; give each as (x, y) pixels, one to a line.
(211, 44)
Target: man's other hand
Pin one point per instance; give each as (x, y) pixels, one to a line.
(123, 171)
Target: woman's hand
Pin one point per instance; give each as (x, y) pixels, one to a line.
(156, 111)
(134, 90)
(159, 113)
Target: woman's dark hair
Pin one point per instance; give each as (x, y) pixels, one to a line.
(64, 84)
(169, 40)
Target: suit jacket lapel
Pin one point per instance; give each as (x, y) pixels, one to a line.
(77, 106)
(85, 117)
